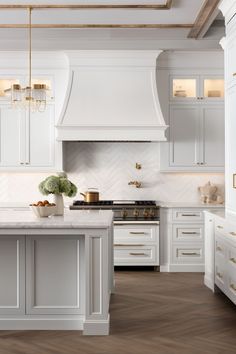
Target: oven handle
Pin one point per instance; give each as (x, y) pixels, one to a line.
(120, 223)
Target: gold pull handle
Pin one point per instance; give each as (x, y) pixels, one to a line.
(233, 287)
(137, 254)
(190, 253)
(136, 233)
(233, 260)
(218, 248)
(233, 233)
(190, 233)
(219, 275)
(219, 227)
(128, 244)
(234, 74)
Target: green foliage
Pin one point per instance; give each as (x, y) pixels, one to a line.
(58, 185)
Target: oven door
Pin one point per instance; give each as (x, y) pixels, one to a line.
(136, 243)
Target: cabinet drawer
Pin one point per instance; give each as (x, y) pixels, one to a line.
(231, 288)
(189, 233)
(220, 249)
(187, 215)
(142, 255)
(220, 276)
(188, 254)
(136, 233)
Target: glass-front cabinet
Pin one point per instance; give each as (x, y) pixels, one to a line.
(196, 88)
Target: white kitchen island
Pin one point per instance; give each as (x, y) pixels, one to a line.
(56, 273)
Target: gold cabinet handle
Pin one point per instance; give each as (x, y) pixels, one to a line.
(218, 248)
(138, 254)
(233, 287)
(233, 260)
(128, 244)
(219, 227)
(219, 275)
(136, 233)
(190, 253)
(232, 233)
(190, 233)
(234, 74)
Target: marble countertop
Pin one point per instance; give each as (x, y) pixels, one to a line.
(189, 205)
(75, 219)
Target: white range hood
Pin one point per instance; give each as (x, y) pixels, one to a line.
(112, 96)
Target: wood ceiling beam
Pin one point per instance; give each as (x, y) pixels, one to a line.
(165, 6)
(66, 25)
(204, 15)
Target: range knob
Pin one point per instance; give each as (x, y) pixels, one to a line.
(152, 213)
(146, 213)
(136, 213)
(124, 213)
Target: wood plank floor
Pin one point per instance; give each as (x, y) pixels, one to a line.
(151, 313)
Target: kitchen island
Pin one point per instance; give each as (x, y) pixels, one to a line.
(56, 273)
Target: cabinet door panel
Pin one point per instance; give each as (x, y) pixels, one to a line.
(213, 136)
(12, 274)
(184, 135)
(53, 275)
(41, 138)
(11, 129)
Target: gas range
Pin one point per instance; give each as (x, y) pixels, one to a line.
(129, 211)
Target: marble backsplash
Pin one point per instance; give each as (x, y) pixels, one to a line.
(109, 167)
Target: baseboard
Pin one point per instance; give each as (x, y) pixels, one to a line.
(97, 327)
(26, 324)
(188, 268)
(164, 268)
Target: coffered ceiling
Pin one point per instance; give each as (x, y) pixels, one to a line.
(138, 24)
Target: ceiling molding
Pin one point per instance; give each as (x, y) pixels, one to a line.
(66, 25)
(154, 6)
(203, 17)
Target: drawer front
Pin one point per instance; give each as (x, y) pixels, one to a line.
(220, 276)
(136, 233)
(231, 287)
(220, 249)
(186, 232)
(187, 215)
(231, 259)
(145, 255)
(188, 254)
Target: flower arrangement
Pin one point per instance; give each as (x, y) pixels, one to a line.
(58, 185)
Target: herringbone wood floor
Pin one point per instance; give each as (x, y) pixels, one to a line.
(151, 313)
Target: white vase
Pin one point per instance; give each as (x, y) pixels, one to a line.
(58, 200)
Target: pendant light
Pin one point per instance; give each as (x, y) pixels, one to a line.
(34, 96)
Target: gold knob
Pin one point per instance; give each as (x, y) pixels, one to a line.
(136, 213)
(219, 227)
(124, 213)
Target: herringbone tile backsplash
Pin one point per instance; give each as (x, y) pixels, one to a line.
(109, 167)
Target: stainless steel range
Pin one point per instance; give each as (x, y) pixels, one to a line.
(140, 210)
(136, 230)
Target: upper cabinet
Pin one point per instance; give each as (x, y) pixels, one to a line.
(196, 88)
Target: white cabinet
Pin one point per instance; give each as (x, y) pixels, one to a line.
(182, 239)
(136, 244)
(12, 275)
(196, 138)
(27, 140)
(53, 263)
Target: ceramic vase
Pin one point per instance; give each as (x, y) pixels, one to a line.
(58, 200)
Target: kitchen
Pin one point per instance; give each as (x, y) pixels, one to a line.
(136, 112)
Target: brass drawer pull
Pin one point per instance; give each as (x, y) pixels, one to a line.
(137, 233)
(234, 74)
(190, 233)
(190, 253)
(128, 244)
(233, 233)
(233, 287)
(137, 254)
(219, 227)
(233, 260)
(219, 275)
(190, 215)
(218, 248)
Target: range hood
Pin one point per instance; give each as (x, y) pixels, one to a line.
(112, 96)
